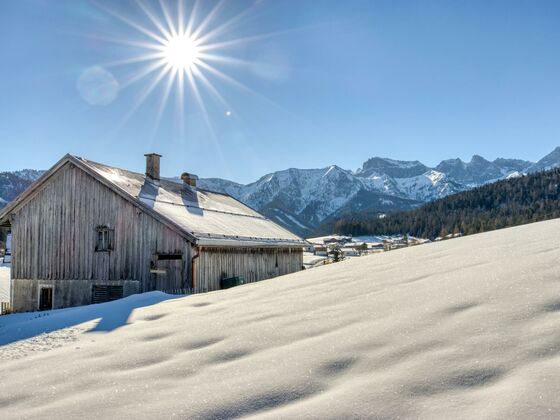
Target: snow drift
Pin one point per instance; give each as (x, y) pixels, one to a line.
(468, 328)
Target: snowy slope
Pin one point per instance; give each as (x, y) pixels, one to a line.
(429, 186)
(462, 329)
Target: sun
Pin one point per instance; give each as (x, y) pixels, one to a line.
(181, 52)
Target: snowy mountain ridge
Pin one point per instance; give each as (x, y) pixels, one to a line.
(298, 198)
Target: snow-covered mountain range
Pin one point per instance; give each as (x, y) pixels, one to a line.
(302, 199)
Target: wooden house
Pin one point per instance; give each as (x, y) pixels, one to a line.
(86, 232)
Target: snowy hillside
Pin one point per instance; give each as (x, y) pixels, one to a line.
(429, 186)
(466, 328)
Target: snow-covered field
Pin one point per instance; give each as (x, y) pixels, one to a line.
(4, 284)
(468, 328)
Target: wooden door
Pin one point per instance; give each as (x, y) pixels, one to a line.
(169, 272)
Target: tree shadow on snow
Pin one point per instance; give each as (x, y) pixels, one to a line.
(111, 315)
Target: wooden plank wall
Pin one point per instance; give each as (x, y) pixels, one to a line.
(54, 235)
(254, 264)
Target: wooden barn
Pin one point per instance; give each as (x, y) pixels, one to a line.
(87, 232)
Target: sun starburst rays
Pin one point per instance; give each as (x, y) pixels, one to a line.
(180, 51)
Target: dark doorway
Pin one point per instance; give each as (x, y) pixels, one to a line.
(45, 298)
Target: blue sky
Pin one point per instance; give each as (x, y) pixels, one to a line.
(320, 82)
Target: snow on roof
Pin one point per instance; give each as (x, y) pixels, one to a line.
(323, 239)
(212, 218)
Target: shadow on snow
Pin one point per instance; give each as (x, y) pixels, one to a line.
(111, 315)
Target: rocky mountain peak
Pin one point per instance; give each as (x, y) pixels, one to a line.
(477, 159)
(392, 168)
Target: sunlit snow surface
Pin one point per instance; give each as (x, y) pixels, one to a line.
(4, 283)
(466, 328)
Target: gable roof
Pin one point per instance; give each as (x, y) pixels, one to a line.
(201, 216)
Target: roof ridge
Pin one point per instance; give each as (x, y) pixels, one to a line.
(161, 180)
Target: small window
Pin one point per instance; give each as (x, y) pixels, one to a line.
(45, 298)
(104, 239)
(105, 293)
(169, 257)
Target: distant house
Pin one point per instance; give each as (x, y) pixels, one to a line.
(350, 251)
(330, 240)
(376, 246)
(87, 232)
(309, 247)
(320, 250)
(412, 241)
(394, 243)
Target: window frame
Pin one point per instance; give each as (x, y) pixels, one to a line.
(104, 238)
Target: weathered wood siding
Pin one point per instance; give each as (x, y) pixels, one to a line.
(214, 264)
(54, 236)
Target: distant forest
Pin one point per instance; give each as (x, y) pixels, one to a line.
(498, 205)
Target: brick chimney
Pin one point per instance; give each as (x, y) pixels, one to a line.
(152, 166)
(189, 179)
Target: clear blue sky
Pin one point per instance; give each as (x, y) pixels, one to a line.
(328, 82)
